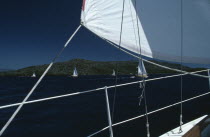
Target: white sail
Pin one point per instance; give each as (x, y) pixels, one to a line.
(104, 17)
(75, 74)
(113, 74)
(141, 70)
(34, 75)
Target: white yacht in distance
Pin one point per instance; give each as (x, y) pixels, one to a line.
(113, 74)
(132, 76)
(141, 70)
(75, 74)
(34, 75)
(119, 23)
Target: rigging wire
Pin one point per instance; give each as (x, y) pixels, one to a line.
(148, 61)
(143, 94)
(93, 90)
(36, 84)
(208, 73)
(138, 48)
(151, 112)
(140, 59)
(181, 66)
(117, 71)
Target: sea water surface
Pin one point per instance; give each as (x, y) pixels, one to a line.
(82, 115)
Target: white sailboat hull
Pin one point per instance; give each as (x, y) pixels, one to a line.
(143, 76)
(34, 75)
(185, 128)
(75, 74)
(132, 77)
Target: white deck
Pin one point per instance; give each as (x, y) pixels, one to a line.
(185, 128)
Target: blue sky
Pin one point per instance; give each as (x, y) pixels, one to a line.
(32, 32)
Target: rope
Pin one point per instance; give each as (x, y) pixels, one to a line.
(98, 89)
(149, 113)
(140, 84)
(209, 75)
(141, 96)
(156, 64)
(140, 60)
(93, 90)
(150, 62)
(37, 83)
(144, 83)
(181, 65)
(122, 24)
(120, 41)
(146, 111)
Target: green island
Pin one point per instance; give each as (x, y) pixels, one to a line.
(88, 67)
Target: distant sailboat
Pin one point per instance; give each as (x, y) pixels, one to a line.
(34, 75)
(141, 70)
(132, 76)
(119, 20)
(113, 74)
(75, 74)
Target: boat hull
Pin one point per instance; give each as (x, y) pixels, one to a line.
(187, 129)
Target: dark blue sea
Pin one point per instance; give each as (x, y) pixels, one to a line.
(82, 115)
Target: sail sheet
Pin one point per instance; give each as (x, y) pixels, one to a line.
(158, 24)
